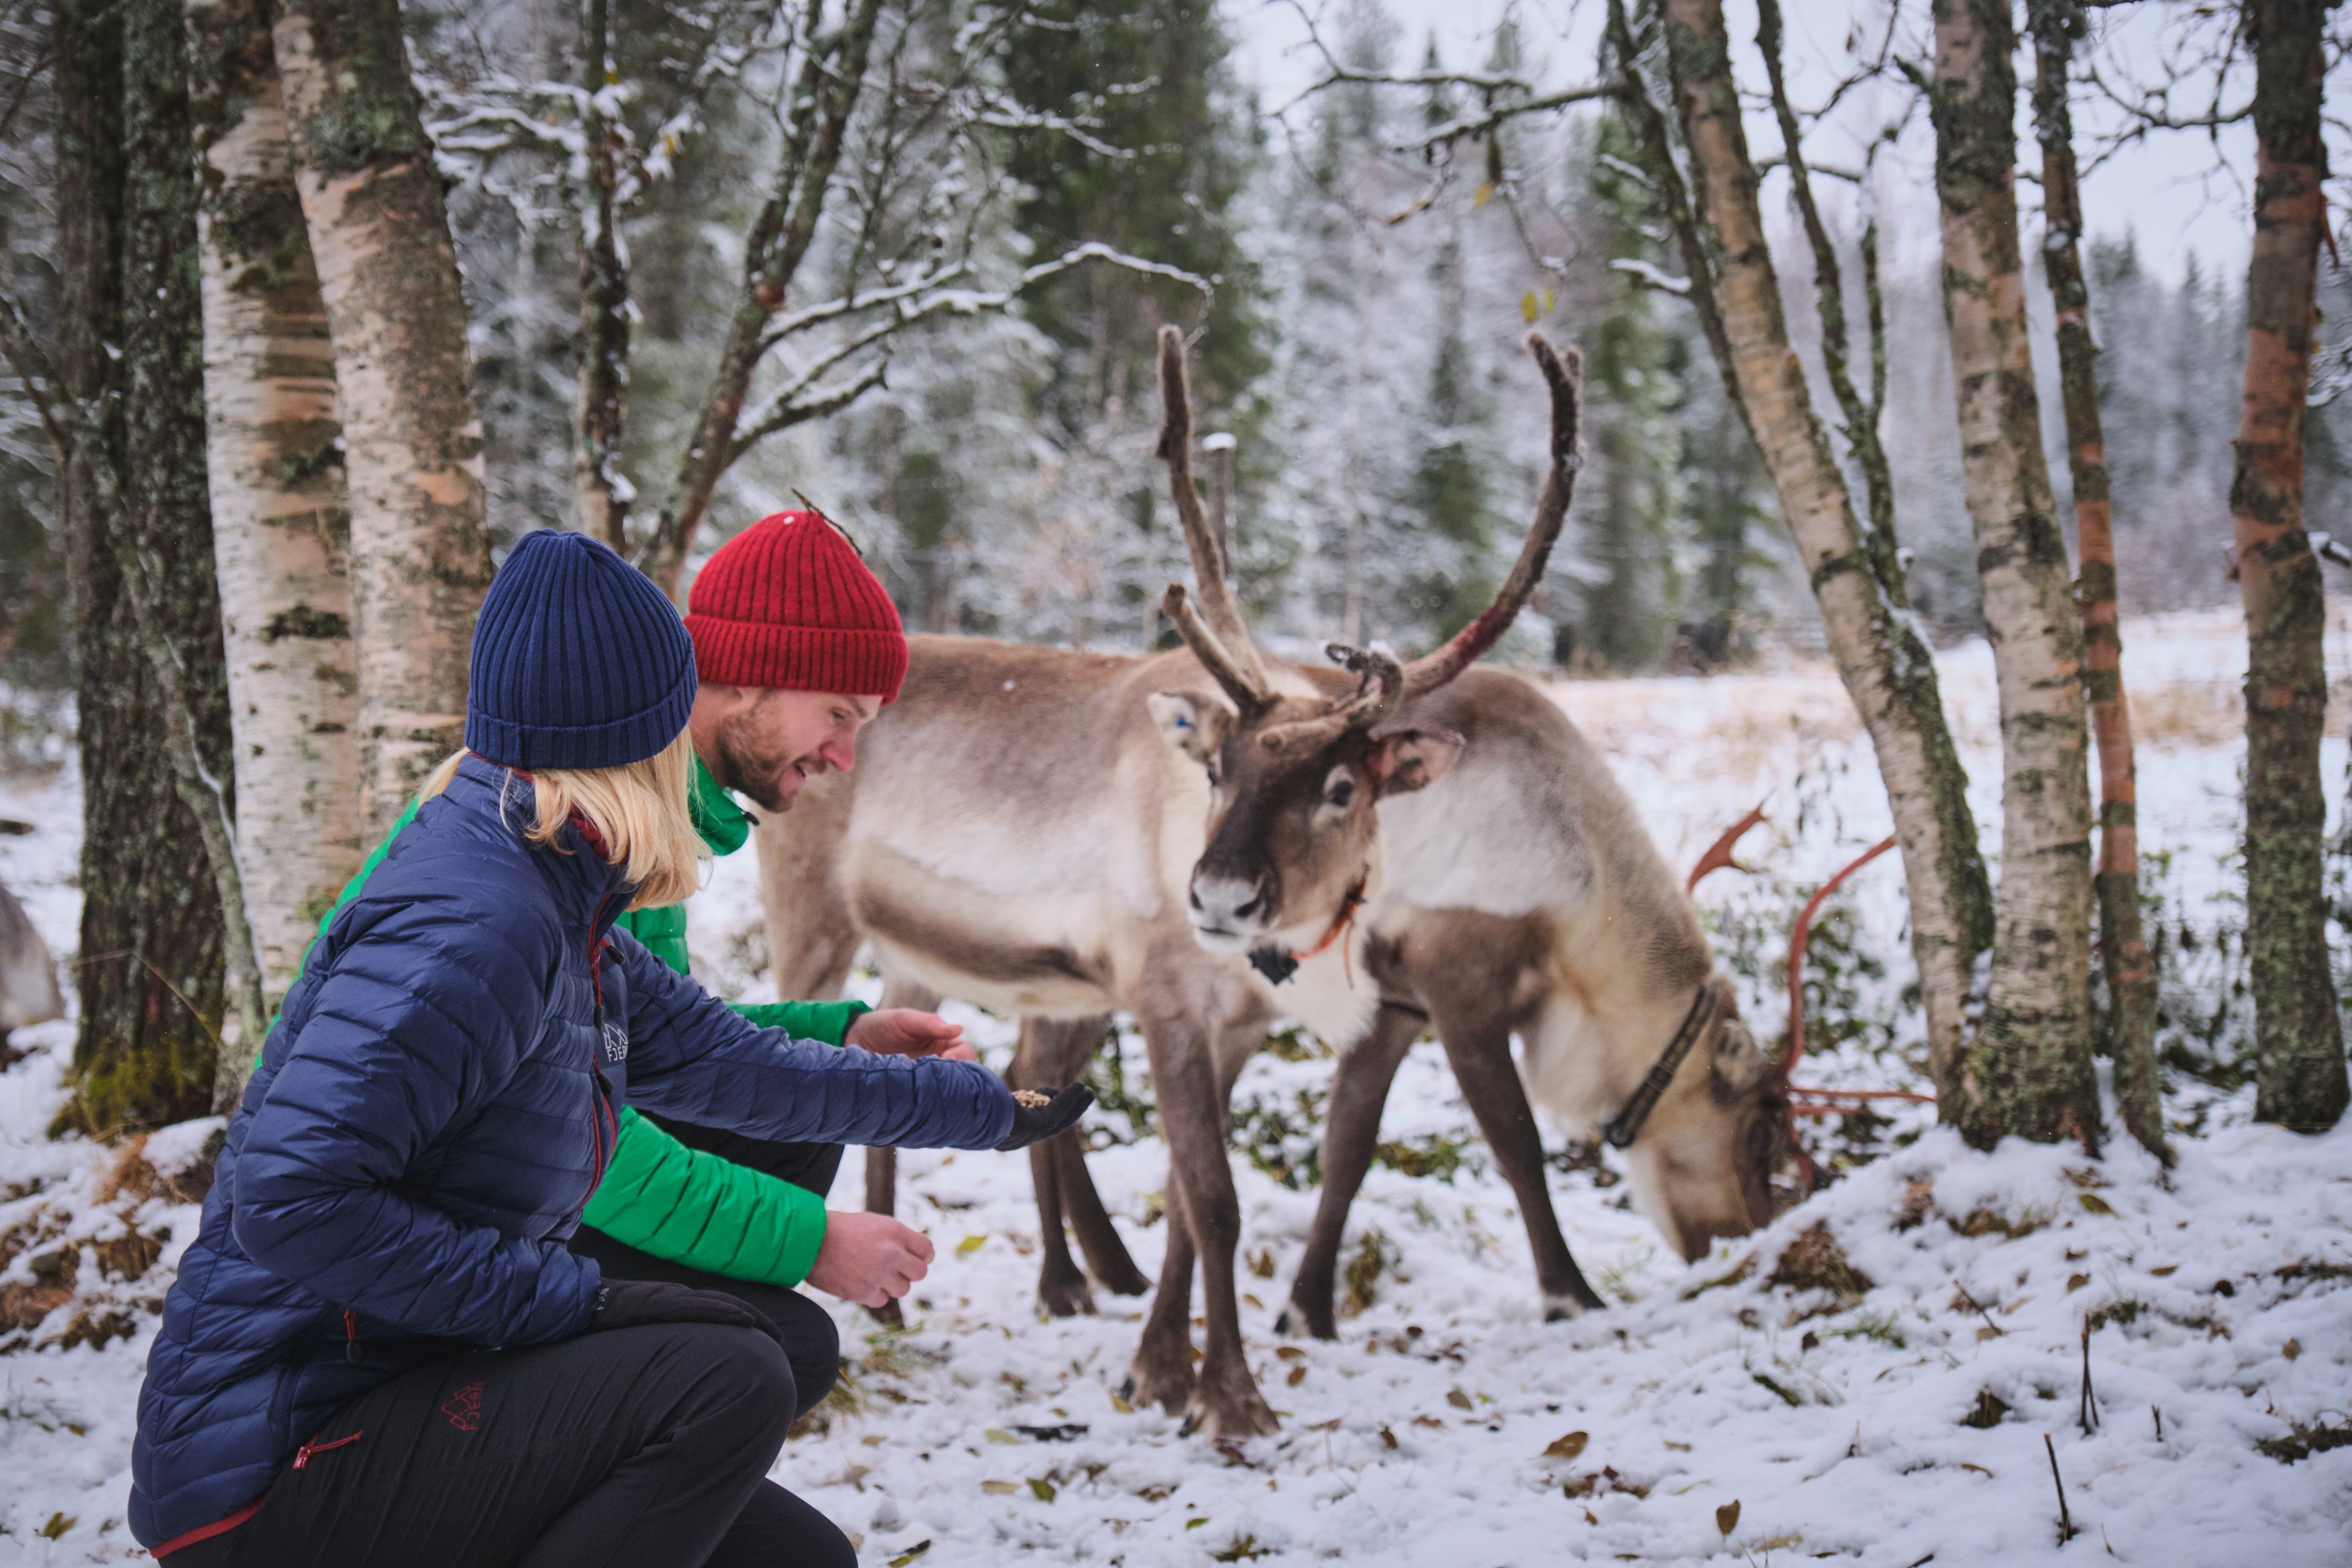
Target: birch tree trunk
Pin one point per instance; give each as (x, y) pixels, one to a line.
(2029, 1070)
(151, 960)
(1888, 671)
(281, 528)
(2299, 1044)
(412, 446)
(2123, 944)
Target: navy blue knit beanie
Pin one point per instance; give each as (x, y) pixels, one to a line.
(579, 660)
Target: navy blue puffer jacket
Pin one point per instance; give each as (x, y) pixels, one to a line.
(429, 1117)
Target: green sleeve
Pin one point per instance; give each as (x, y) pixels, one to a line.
(692, 1207)
(826, 1021)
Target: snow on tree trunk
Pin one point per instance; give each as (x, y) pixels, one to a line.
(281, 526)
(2298, 1043)
(380, 236)
(2123, 944)
(1886, 667)
(2028, 1070)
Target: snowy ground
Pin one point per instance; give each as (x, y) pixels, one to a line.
(1872, 1379)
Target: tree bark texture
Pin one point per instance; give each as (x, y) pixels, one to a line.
(600, 406)
(2299, 1068)
(413, 445)
(816, 128)
(1861, 416)
(151, 965)
(2029, 1070)
(2130, 971)
(1887, 669)
(281, 526)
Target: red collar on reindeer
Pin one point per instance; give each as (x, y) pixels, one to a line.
(1279, 965)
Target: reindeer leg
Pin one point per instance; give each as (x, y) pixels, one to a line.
(1225, 1398)
(1479, 1047)
(1041, 1060)
(1351, 1127)
(1108, 1258)
(1162, 1372)
(882, 1164)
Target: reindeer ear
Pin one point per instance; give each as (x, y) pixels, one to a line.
(1193, 725)
(1740, 1064)
(1407, 759)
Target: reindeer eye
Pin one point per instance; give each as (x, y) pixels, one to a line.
(1342, 791)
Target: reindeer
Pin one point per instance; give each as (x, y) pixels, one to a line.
(1208, 838)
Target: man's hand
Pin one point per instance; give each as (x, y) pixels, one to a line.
(869, 1258)
(904, 1032)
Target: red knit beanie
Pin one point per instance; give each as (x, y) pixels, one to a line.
(787, 603)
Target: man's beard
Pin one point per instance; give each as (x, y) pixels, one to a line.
(768, 780)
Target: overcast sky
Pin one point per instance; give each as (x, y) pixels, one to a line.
(2161, 190)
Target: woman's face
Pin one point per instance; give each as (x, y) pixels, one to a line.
(765, 743)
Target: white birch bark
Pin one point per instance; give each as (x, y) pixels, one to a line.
(281, 526)
(380, 234)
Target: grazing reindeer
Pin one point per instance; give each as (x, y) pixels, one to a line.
(1206, 839)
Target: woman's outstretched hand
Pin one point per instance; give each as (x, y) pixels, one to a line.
(1033, 1122)
(904, 1032)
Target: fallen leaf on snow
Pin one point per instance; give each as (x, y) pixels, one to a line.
(1726, 1518)
(1571, 1446)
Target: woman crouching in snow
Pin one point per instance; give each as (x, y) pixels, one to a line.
(378, 1350)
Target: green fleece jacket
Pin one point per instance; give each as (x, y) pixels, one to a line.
(659, 1196)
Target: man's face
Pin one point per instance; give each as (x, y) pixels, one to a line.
(764, 744)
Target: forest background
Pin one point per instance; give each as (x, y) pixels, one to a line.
(1362, 346)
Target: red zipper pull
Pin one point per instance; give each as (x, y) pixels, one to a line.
(351, 1336)
(302, 1455)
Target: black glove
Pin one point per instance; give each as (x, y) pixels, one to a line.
(1034, 1123)
(627, 1303)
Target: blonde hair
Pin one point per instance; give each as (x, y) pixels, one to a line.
(638, 809)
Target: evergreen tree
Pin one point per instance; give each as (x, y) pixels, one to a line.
(1148, 75)
(1634, 369)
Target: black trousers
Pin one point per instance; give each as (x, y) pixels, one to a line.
(812, 1343)
(639, 1448)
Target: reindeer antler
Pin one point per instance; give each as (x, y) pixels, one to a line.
(1718, 854)
(1221, 614)
(1212, 653)
(1379, 693)
(1564, 370)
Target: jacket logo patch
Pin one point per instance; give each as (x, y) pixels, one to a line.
(616, 1042)
(463, 1407)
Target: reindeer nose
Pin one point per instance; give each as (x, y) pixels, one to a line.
(1226, 903)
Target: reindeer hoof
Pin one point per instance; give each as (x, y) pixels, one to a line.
(1065, 1297)
(1226, 1417)
(1561, 1309)
(1129, 1281)
(1297, 1318)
